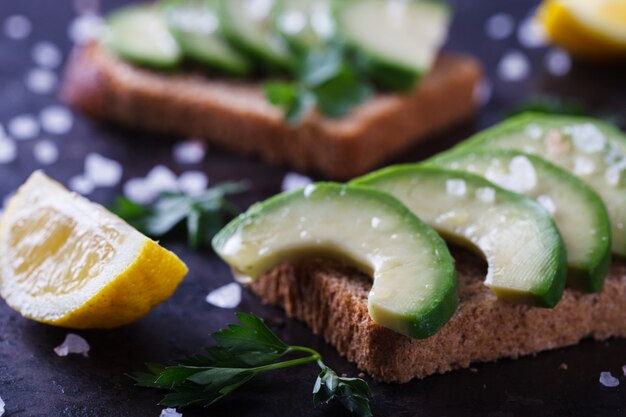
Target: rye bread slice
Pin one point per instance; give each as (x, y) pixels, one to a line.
(235, 115)
(332, 300)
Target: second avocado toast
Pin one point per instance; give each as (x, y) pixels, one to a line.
(525, 253)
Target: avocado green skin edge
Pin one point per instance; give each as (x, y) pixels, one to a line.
(430, 318)
(237, 66)
(142, 61)
(513, 124)
(388, 74)
(591, 277)
(546, 295)
(267, 60)
(485, 137)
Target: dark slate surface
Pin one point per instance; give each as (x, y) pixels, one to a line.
(35, 382)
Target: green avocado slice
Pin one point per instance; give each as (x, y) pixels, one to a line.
(398, 40)
(524, 251)
(247, 24)
(592, 150)
(576, 209)
(414, 289)
(140, 35)
(196, 27)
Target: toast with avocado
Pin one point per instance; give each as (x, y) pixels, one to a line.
(307, 84)
(358, 263)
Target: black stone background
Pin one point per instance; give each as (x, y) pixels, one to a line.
(35, 382)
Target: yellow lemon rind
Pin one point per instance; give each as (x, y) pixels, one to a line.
(150, 280)
(580, 39)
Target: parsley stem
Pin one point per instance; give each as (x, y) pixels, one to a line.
(314, 357)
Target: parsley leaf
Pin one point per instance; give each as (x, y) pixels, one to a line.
(328, 78)
(353, 393)
(243, 351)
(202, 215)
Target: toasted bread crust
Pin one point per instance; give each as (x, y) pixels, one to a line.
(332, 300)
(236, 116)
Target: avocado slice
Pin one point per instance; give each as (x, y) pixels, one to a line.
(414, 290)
(140, 35)
(576, 209)
(398, 40)
(196, 27)
(524, 251)
(305, 24)
(247, 24)
(592, 150)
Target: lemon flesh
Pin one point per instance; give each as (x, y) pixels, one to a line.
(588, 29)
(69, 262)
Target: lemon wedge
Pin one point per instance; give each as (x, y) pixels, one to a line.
(594, 29)
(69, 262)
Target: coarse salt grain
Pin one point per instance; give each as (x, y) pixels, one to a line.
(73, 343)
(161, 179)
(500, 26)
(8, 150)
(81, 185)
(189, 152)
(23, 127)
(530, 33)
(46, 54)
(228, 296)
(608, 380)
(85, 28)
(41, 81)
(534, 131)
(56, 120)
(46, 152)
(17, 27)
(547, 203)
(456, 187)
(583, 166)
(522, 176)
(170, 412)
(514, 66)
(586, 137)
(486, 194)
(193, 182)
(558, 62)
(103, 172)
(136, 190)
(294, 181)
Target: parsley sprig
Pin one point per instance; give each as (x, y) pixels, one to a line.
(243, 352)
(329, 78)
(202, 215)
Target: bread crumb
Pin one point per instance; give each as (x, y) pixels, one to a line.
(362, 375)
(473, 370)
(344, 375)
(563, 366)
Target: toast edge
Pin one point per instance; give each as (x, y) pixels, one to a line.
(332, 300)
(188, 105)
